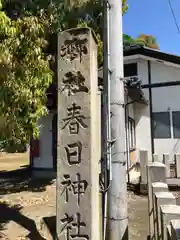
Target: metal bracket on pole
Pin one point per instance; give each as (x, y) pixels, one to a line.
(110, 71)
(108, 4)
(117, 103)
(120, 162)
(111, 142)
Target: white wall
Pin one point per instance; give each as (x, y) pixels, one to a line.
(164, 98)
(130, 108)
(143, 71)
(164, 73)
(142, 127)
(46, 156)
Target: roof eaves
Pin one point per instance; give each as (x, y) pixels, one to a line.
(154, 53)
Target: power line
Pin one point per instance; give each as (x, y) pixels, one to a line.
(174, 16)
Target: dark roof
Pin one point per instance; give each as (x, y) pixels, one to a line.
(149, 52)
(130, 50)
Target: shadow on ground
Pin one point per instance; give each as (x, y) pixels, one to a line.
(12, 213)
(20, 180)
(50, 223)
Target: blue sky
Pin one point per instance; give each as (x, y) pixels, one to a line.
(154, 17)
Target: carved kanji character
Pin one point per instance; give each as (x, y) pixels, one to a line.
(74, 48)
(73, 82)
(77, 187)
(74, 119)
(73, 152)
(73, 223)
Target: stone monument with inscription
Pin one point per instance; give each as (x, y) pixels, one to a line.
(78, 153)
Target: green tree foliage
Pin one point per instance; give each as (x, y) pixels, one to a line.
(128, 40)
(60, 15)
(28, 33)
(143, 39)
(148, 41)
(24, 76)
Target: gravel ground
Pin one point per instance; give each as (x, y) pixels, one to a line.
(138, 217)
(23, 203)
(21, 214)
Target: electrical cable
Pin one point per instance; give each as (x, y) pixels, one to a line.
(101, 186)
(174, 16)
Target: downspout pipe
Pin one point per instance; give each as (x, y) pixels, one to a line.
(127, 136)
(150, 107)
(106, 154)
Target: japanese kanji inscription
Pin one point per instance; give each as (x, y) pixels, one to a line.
(73, 152)
(77, 164)
(73, 223)
(74, 82)
(74, 119)
(77, 187)
(74, 48)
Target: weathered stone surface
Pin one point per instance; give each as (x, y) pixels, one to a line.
(78, 199)
(159, 187)
(156, 172)
(161, 198)
(156, 188)
(157, 157)
(166, 161)
(168, 213)
(177, 157)
(175, 229)
(143, 155)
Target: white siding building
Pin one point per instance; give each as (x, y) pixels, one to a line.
(153, 125)
(157, 125)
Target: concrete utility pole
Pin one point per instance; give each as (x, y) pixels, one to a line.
(117, 194)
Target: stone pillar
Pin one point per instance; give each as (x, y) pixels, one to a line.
(78, 208)
(168, 213)
(143, 156)
(157, 157)
(156, 172)
(166, 159)
(159, 187)
(175, 229)
(161, 198)
(156, 187)
(177, 157)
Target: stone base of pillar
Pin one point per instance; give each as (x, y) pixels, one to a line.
(43, 173)
(175, 226)
(168, 213)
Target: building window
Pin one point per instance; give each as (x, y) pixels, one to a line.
(130, 70)
(176, 124)
(161, 125)
(131, 129)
